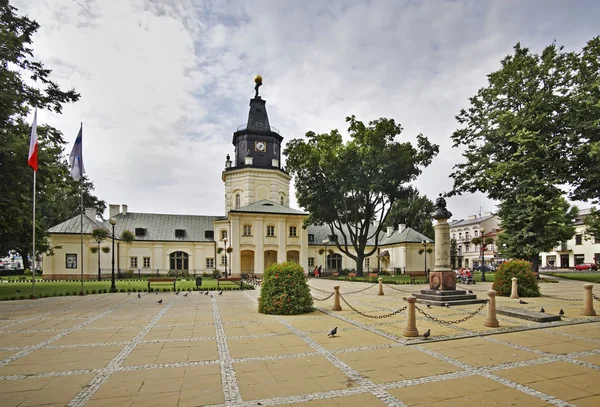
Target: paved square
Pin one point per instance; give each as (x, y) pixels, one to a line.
(109, 350)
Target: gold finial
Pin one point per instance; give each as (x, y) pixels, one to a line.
(258, 81)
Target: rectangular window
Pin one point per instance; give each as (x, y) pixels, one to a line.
(270, 230)
(146, 262)
(247, 230)
(579, 258)
(179, 232)
(140, 232)
(311, 237)
(133, 262)
(367, 262)
(209, 234)
(578, 239)
(210, 263)
(293, 231)
(223, 260)
(311, 262)
(466, 248)
(333, 238)
(71, 261)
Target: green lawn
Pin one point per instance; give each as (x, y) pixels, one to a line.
(404, 279)
(591, 278)
(22, 290)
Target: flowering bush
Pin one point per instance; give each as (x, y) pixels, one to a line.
(284, 290)
(526, 279)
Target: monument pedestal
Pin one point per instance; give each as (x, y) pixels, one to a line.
(442, 280)
(451, 297)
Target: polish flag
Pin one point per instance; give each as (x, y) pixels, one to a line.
(32, 161)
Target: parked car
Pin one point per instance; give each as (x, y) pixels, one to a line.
(586, 266)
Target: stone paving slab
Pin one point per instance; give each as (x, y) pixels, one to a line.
(120, 350)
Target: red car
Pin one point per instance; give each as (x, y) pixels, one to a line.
(586, 266)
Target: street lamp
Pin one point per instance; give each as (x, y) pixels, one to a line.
(425, 243)
(482, 247)
(325, 242)
(225, 248)
(113, 287)
(504, 251)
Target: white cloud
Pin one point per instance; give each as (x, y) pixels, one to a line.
(164, 84)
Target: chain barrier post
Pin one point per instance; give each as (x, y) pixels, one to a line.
(336, 299)
(588, 303)
(380, 286)
(411, 321)
(491, 321)
(514, 292)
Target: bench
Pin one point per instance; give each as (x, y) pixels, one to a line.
(236, 280)
(162, 281)
(414, 274)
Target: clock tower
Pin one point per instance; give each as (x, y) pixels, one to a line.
(255, 173)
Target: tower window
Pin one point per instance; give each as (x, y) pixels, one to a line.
(237, 201)
(223, 234)
(281, 200)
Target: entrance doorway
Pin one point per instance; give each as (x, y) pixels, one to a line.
(564, 261)
(247, 261)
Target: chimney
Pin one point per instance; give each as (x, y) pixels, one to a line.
(113, 210)
(124, 210)
(472, 217)
(401, 227)
(275, 162)
(390, 230)
(90, 213)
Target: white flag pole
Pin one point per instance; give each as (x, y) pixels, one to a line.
(34, 253)
(81, 217)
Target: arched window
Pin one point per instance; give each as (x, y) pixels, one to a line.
(282, 200)
(238, 199)
(223, 234)
(179, 261)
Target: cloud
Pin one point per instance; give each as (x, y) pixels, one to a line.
(164, 84)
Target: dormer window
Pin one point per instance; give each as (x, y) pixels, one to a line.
(209, 234)
(139, 232)
(311, 237)
(180, 233)
(332, 238)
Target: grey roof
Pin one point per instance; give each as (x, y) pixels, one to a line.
(73, 225)
(266, 206)
(408, 235)
(159, 227)
(465, 222)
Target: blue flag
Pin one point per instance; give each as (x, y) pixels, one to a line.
(76, 157)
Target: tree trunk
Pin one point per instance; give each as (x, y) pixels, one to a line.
(25, 259)
(359, 265)
(535, 264)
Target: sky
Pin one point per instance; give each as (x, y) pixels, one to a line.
(165, 83)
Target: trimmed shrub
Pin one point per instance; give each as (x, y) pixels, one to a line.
(526, 279)
(284, 290)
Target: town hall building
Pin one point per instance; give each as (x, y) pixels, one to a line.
(258, 228)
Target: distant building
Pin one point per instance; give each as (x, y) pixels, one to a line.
(465, 230)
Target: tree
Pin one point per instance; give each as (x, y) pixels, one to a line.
(414, 211)
(127, 237)
(351, 186)
(514, 136)
(99, 235)
(25, 83)
(453, 253)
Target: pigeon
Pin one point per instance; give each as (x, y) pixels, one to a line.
(211, 296)
(177, 292)
(159, 301)
(185, 295)
(428, 305)
(129, 293)
(18, 290)
(139, 295)
(189, 290)
(447, 305)
(427, 334)
(542, 310)
(561, 312)
(206, 292)
(333, 332)
(523, 302)
(221, 292)
(470, 291)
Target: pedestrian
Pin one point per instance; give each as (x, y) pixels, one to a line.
(315, 271)
(319, 272)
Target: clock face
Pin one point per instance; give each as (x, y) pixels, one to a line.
(260, 146)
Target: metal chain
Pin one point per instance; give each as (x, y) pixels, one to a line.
(318, 289)
(596, 297)
(562, 299)
(391, 314)
(458, 321)
(323, 299)
(397, 289)
(361, 290)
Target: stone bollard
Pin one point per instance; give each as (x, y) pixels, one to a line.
(514, 291)
(588, 301)
(491, 321)
(411, 321)
(336, 299)
(380, 286)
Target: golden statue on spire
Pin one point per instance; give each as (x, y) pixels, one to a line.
(258, 81)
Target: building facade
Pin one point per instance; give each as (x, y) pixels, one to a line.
(258, 228)
(465, 230)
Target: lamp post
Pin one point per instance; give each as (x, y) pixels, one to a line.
(482, 247)
(425, 243)
(504, 251)
(325, 242)
(113, 287)
(225, 249)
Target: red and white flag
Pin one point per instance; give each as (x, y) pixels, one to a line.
(32, 161)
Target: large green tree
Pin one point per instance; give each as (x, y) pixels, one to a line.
(413, 210)
(514, 137)
(351, 186)
(25, 84)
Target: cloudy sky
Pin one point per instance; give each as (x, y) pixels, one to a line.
(165, 83)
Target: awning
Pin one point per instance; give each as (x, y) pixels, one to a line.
(384, 253)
